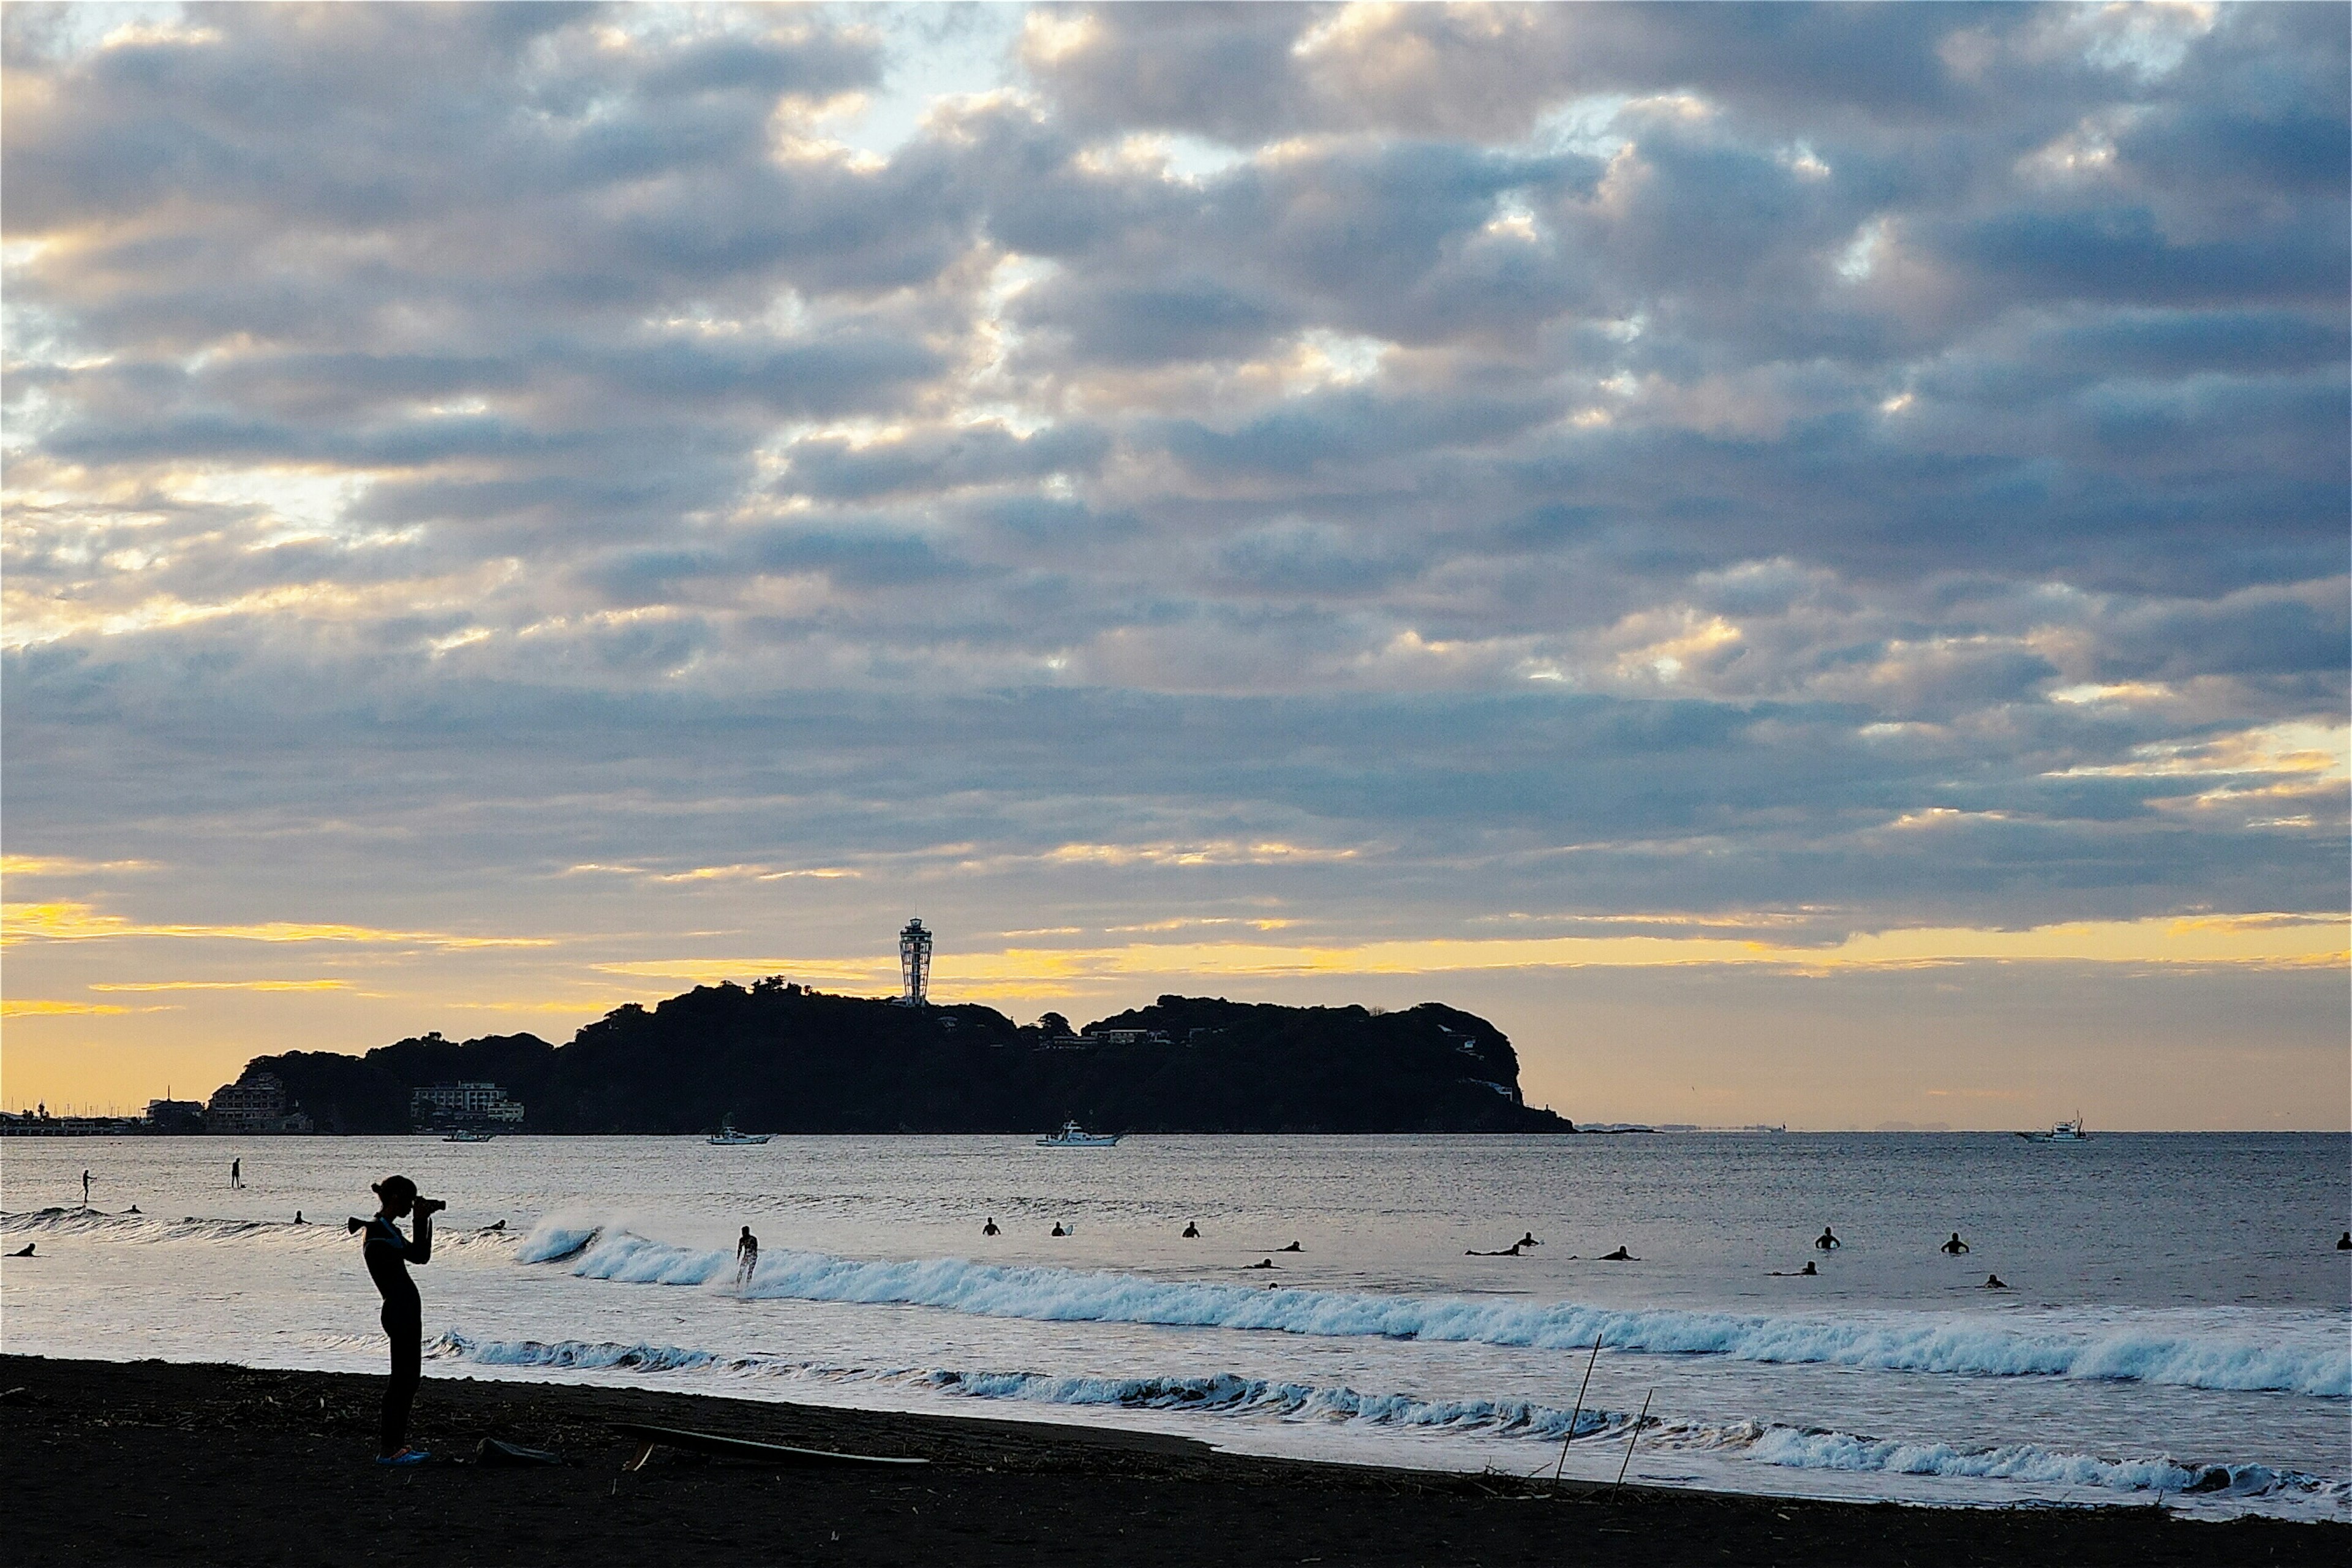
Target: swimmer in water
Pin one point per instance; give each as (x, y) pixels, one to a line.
(1827, 1242)
(989, 1228)
(1620, 1255)
(1955, 1247)
(1793, 1273)
(2344, 1243)
(1058, 1230)
(1995, 1282)
(1530, 1240)
(299, 1220)
(1510, 1251)
(132, 1209)
(24, 1251)
(1191, 1231)
(1293, 1247)
(1262, 1263)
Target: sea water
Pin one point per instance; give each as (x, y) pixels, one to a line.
(2177, 1326)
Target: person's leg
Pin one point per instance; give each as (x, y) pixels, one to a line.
(408, 1336)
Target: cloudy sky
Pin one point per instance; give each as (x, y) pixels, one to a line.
(1794, 558)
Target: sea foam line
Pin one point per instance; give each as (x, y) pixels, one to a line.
(1229, 1394)
(1913, 1341)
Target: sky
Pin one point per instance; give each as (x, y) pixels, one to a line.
(1794, 558)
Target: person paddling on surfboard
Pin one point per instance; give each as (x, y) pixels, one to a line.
(388, 1254)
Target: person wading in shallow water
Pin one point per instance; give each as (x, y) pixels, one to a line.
(388, 1254)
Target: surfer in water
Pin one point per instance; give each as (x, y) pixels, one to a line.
(299, 1220)
(1510, 1251)
(1620, 1255)
(1528, 1239)
(1793, 1273)
(1293, 1247)
(2344, 1242)
(1260, 1263)
(1954, 1247)
(1827, 1242)
(236, 1173)
(1995, 1282)
(1192, 1230)
(989, 1228)
(85, 1189)
(26, 1250)
(388, 1254)
(747, 1254)
(1058, 1230)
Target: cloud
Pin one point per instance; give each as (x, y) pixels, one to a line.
(1575, 463)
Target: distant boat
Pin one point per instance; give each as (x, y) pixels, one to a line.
(468, 1135)
(2063, 1133)
(727, 1137)
(1073, 1136)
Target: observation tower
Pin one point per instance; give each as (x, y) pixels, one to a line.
(915, 964)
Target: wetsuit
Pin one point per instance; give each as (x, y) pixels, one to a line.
(389, 1253)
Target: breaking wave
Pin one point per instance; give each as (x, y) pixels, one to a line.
(96, 1225)
(1233, 1397)
(2319, 1366)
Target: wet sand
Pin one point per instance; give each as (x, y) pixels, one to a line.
(147, 1462)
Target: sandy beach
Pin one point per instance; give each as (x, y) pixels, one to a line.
(157, 1463)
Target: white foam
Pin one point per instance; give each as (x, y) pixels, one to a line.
(1966, 1345)
(1234, 1397)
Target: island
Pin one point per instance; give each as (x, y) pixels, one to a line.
(778, 1056)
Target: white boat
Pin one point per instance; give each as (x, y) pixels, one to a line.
(2063, 1133)
(468, 1135)
(727, 1137)
(1073, 1136)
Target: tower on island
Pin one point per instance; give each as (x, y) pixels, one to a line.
(915, 964)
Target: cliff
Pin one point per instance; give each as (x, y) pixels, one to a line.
(780, 1058)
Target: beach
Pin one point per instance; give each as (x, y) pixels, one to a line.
(159, 1463)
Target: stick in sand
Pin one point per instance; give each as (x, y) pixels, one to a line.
(1578, 1412)
(1633, 1438)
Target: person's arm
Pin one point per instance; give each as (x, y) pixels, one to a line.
(420, 1250)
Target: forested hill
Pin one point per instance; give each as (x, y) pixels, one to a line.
(781, 1059)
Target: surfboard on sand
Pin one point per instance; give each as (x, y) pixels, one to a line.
(651, 1437)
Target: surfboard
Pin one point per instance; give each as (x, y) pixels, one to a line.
(651, 1437)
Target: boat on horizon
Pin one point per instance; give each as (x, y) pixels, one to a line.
(1073, 1136)
(727, 1137)
(2062, 1133)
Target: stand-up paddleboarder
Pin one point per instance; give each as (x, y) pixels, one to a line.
(388, 1254)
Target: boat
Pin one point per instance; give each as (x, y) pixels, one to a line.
(468, 1135)
(727, 1137)
(1073, 1136)
(2063, 1133)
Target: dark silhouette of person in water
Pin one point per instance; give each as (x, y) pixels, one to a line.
(1793, 1273)
(132, 1209)
(989, 1228)
(388, 1254)
(1620, 1255)
(1955, 1247)
(1260, 1263)
(1510, 1251)
(1293, 1247)
(299, 1220)
(2344, 1243)
(747, 1254)
(1995, 1282)
(1827, 1242)
(85, 1189)
(236, 1173)
(1530, 1240)
(1192, 1230)
(1058, 1230)
(26, 1250)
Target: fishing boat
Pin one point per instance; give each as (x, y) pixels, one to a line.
(2063, 1133)
(468, 1135)
(1073, 1136)
(727, 1137)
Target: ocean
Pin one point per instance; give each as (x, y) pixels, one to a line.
(2177, 1326)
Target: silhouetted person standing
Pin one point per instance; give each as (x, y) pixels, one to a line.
(747, 1255)
(1956, 1246)
(388, 1254)
(236, 1173)
(989, 1228)
(1827, 1242)
(85, 1189)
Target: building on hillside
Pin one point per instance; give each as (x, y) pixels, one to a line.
(255, 1104)
(461, 1104)
(915, 964)
(175, 1115)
